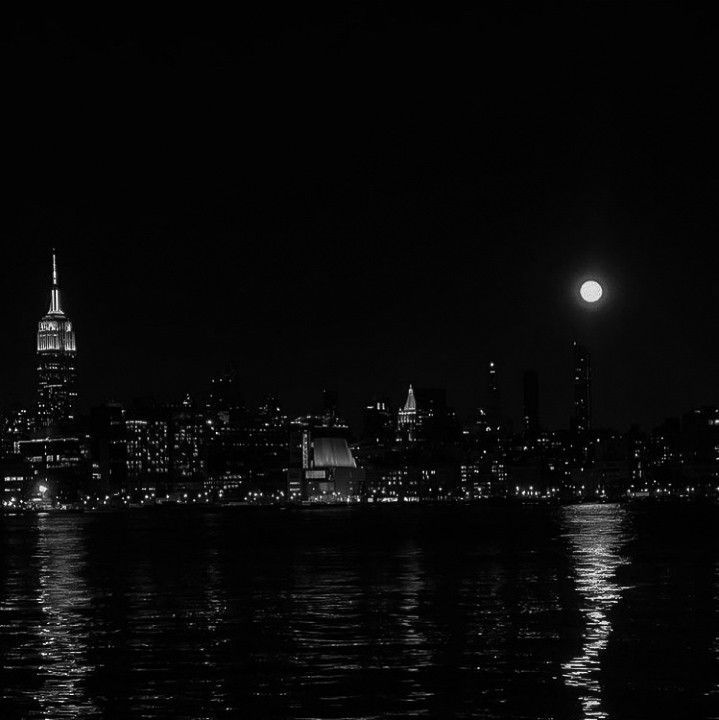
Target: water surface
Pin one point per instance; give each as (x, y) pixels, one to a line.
(592, 611)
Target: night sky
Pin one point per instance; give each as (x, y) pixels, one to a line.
(366, 199)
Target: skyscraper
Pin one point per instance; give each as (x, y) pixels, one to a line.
(407, 416)
(531, 402)
(493, 409)
(56, 370)
(582, 390)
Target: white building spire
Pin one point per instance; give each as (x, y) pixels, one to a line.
(411, 404)
(407, 416)
(55, 308)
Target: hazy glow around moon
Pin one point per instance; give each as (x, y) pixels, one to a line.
(590, 291)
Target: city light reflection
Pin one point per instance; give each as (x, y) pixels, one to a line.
(63, 631)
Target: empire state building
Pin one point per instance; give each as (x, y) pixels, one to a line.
(56, 371)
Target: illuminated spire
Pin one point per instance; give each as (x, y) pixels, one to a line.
(55, 308)
(407, 416)
(411, 404)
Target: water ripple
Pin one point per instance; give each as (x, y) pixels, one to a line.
(597, 534)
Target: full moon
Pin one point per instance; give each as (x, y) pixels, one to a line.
(590, 291)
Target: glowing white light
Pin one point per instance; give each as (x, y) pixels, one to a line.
(590, 291)
(42, 489)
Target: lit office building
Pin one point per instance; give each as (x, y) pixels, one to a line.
(136, 433)
(187, 435)
(147, 453)
(58, 468)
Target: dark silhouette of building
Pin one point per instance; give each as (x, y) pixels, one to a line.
(582, 420)
(665, 443)
(378, 422)
(493, 407)
(330, 406)
(268, 447)
(109, 448)
(225, 401)
(227, 441)
(56, 362)
(700, 435)
(426, 416)
(437, 422)
(531, 402)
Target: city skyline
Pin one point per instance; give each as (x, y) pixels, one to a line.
(218, 447)
(375, 234)
(480, 394)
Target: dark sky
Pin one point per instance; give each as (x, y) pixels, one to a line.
(367, 199)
